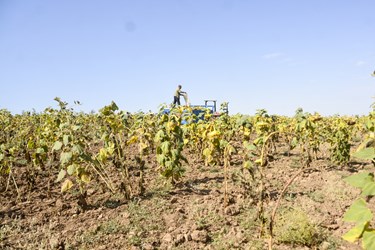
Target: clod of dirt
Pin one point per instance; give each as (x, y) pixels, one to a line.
(56, 243)
(325, 245)
(167, 238)
(179, 239)
(232, 210)
(199, 236)
(171, 219)
(147, 246)
(187, 237)
(180, 210)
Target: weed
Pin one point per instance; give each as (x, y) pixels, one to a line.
(316, 196)
(294, 227)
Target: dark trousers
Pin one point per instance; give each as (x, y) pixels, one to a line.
(176, 100)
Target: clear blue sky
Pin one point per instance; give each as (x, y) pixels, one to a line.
(277, 55)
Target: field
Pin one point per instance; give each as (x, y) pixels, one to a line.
(118, 180)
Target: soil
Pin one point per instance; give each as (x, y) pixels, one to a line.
(189, 215)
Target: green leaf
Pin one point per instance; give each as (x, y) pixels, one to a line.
(21, 162)
(68, 184)
(369, 189)
(71, 169)
(160, 159)
(30, 144)
(365, 154)
(358, 212)
(174, 155)
(294, 142)
(249, 146)
(113, 106)
(159, 136)
(57, 146)
(258, 141)
(75, 128)
(360, 180)
(184, 159)
(368, 239)
(165, 146)
(66, 139)
(40, 150)
(65, 157)
(61, 175)
(77, 149)
(355, 233)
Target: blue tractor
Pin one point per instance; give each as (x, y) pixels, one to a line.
(200, 110)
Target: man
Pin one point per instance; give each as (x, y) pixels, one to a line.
(177, 94)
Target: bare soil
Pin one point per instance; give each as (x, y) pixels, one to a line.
(190, 215)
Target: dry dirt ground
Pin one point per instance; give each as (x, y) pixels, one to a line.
(190, 215)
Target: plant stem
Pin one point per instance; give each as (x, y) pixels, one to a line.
(278, 204)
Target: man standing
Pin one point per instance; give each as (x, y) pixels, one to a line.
(177, 94)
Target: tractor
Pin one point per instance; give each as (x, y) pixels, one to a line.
(200, 110)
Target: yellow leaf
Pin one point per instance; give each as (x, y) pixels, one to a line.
(247, 132)
(355, 233)
(259, 161)
(142, 147)
(213, 134)
(133, 139)
(85, 178)
(247, 164)
(67, 184)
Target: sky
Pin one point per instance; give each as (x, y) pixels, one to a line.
(255, 54)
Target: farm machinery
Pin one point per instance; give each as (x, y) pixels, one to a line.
(209, 107)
